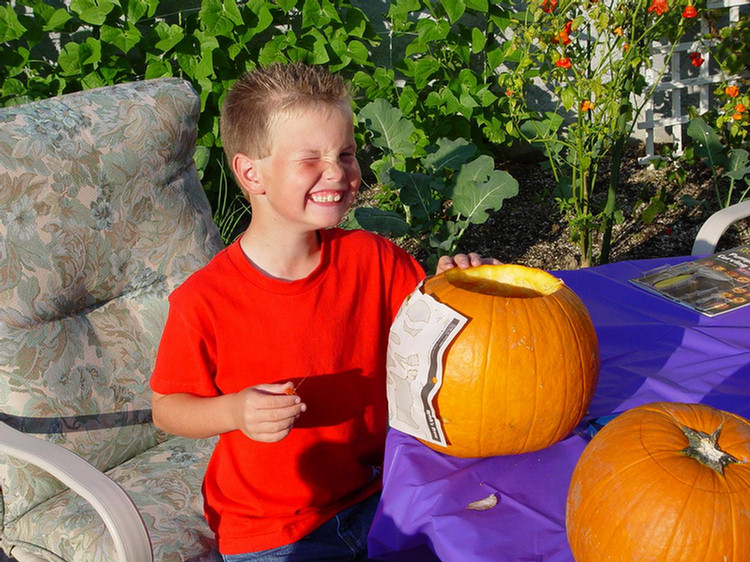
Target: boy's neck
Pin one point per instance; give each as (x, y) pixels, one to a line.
(285, 257)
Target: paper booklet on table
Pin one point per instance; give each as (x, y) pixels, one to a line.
(711, 285)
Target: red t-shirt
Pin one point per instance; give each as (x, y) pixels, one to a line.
(230, 327)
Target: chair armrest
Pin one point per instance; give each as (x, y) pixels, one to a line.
(709, 234)
(120, 515)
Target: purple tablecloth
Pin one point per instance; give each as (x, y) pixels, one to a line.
(651, 350)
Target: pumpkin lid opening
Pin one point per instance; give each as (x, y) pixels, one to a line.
(506, 280)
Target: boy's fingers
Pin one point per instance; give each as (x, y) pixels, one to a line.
(271, 430)
(275, 388)
(274, 396)
(274, 426)
(270, 437)
(282, 414)
(279, 424)
(462, 260)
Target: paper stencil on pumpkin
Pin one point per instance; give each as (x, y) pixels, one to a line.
(419, 336)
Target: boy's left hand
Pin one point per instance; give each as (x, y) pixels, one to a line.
(463, 261)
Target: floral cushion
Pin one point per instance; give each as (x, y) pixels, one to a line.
(102, 215)
(164, 482)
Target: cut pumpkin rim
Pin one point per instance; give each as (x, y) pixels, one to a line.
(505, 280)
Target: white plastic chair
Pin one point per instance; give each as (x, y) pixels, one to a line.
(709, 234)
(120, 515)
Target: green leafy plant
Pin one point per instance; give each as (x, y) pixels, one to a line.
(726, 163)
(442, 56)
(721, 136)
(438, 61)
(49, 50)
(731, 43)
(592, 55)
(435, 192)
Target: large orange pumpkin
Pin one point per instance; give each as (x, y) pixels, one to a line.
(522, 372)
(664, 482)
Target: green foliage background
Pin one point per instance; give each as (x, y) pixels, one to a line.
(433, 65)
(432, 60)
(50, 49)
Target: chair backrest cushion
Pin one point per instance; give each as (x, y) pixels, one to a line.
(101, 215)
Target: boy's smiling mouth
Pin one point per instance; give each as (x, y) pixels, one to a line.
(326, 197)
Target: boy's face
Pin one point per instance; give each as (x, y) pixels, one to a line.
(311, 176)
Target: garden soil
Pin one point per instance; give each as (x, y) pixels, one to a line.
(531, 230)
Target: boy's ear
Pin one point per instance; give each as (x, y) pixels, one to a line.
(246, 171)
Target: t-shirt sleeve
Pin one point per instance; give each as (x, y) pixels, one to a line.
(185, 361)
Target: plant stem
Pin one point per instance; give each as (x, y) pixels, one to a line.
(705, 449)
(611, 205)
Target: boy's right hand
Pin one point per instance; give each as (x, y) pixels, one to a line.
(267, 412)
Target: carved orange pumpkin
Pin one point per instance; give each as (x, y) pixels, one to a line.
(522, 372)
(664, 482)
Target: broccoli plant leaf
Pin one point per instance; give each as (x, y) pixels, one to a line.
(737, 166)
(390, 131)
(480, 189)
(449, 154)
(416, 191)
(707, 142)
(387, 223)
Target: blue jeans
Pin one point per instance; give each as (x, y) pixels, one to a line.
(340, 539)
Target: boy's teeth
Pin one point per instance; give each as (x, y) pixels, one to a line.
(330, 198)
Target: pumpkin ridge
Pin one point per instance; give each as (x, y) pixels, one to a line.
(603, 484)
(685, 505)
(506, 379)
(735, 542)
(530, 430)
(552, 306)
(736, 528)
(439, 412)
(735, 539)
(600, 491)
(735, 531)
(568, 388)
(483, 394)
(615, 529)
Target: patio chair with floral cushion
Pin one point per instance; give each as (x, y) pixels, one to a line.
(101, 216)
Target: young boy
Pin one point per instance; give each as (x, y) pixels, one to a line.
(278, 345)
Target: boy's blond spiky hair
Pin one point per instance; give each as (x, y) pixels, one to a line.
(258, 98)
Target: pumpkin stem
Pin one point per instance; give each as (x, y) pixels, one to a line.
(705, 449)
